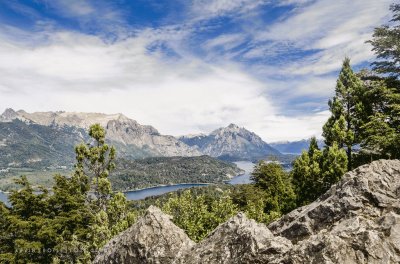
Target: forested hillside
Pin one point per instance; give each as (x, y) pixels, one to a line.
(142, 173)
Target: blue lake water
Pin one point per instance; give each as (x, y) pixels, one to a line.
(158, 190)
(3, 198)
(244, 178)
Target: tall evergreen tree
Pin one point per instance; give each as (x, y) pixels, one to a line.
(95, 160)
(307, 175)
(343, 127)
(386, 44)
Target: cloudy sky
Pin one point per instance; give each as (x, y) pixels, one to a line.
(185, 66)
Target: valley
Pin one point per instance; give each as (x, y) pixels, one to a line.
(41, 144)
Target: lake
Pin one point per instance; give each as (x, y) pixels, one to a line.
(141, 194)
(158, 190)
(3, 198)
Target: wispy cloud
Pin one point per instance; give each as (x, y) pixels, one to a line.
(205, 9)
(78, 72)
(333, 29)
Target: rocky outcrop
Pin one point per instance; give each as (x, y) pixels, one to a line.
(356, 221)
(231, 143)
(239, 240)
(153, 239)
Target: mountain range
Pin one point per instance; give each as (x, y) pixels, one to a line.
(48, 139)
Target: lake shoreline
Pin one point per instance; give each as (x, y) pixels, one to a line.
(168, 185)
(142, 193)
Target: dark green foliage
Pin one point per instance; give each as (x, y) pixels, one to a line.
(276, 185)
(315, 171)
(381, 120)
(136, 174)
(381, 99)
(68, 224)
(343, 127)
(196, 216)
(386, 45)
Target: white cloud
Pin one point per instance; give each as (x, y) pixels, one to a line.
(77, 72)
(226, 41)
(205, 9)
(334, 29)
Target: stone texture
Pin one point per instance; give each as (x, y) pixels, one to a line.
(356, 221)
(236, 241)
(153, 239)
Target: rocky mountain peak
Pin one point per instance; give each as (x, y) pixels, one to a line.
(356, 221)
(231, 143)
(231, 128)
(8, 115)
(133, 139)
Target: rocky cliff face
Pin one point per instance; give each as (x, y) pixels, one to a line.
(356, 221)
(231, 143)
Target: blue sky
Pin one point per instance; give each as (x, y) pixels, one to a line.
(185, 66)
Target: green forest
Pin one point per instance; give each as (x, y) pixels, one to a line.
(70, 222)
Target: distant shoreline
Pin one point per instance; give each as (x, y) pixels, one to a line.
(167, 185)
(243, 172)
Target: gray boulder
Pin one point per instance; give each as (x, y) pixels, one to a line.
(356, 221)
(152, 239)
(239, 240)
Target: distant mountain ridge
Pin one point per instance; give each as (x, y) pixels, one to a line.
(294, 147)
(131, 138)
(231, 143)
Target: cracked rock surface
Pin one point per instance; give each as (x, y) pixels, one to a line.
(152, 239)
(356, 221)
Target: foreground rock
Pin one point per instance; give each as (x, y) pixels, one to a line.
(356, 221)
(153, 239)
(238, 240)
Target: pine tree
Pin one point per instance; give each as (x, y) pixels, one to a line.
(380, 115)
(333, 166)
(95, 161)
(343, 127)
(277, 186)
(315, 171)
(307, 174)
(386, 44)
